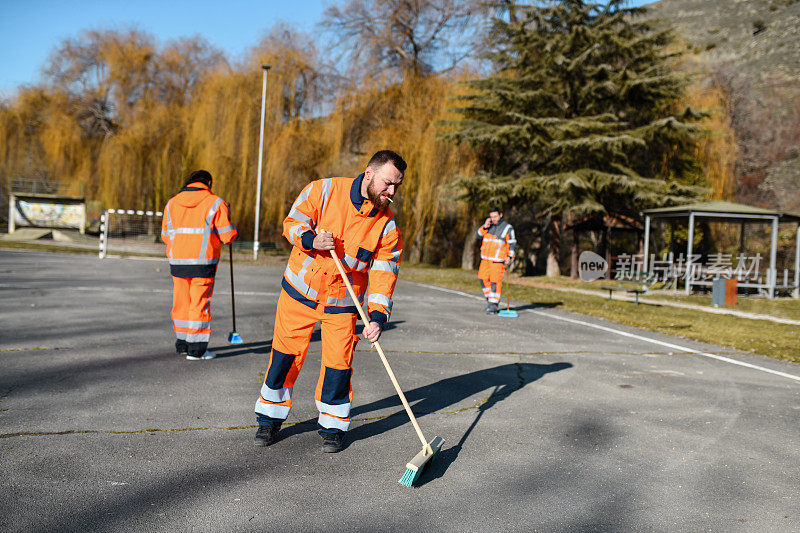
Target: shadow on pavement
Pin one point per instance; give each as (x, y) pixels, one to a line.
(526, 373)
(537, 305)
(502, 380)
(231, 350)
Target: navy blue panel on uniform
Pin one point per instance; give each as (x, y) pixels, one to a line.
(193, 271)
(336, 309)
(278, 369)
(336, 386)
(363, 255)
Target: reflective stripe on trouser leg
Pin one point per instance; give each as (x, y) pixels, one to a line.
(294, 323)
(334, 392)
(485, 288)
(191, 308)
(494, 295)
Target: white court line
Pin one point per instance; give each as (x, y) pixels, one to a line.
(631, 335)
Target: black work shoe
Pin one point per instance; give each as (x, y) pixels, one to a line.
(332, 443)
(181, 347)
(266, 435)
(491, 309)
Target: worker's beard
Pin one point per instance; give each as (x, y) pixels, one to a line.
(379, 201)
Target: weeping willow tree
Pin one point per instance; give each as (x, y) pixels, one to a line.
(580, 118)
(129, 120)
(404, 117)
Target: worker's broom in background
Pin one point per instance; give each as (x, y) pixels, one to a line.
(429, 449)
(233, 337)
(507, 312)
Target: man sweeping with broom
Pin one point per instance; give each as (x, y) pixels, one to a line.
(351, 218)
(497, 252)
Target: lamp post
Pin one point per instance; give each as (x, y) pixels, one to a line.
(264, 68)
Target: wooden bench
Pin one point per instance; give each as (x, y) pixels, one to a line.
(629, 287)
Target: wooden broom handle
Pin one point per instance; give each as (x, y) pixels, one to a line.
(508, 294)
(380, 352)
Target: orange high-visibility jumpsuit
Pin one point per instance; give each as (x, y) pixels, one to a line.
(195, 225)
(499, 243)
(369, 244)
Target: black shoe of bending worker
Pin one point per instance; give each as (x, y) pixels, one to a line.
(491, 309)
(332, 442)
(266, 435)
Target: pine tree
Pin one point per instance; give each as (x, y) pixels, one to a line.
(579, 118)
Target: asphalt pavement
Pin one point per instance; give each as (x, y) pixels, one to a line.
(552, 421)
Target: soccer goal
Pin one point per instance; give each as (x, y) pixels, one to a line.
(130, 231)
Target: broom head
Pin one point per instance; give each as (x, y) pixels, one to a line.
(508, 313)
(234, 338)
(415, 467)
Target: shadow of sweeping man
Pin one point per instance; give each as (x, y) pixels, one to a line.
(502, 381)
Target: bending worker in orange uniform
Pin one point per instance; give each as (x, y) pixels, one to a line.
(497, 252)
(353, 217)
(195, 225)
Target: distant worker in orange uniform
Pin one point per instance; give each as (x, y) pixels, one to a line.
(497, 252)
(196, 223)
(352, 216)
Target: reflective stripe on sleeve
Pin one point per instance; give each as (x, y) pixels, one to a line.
(388, 266)
(326, 193)
(388, 227)
(169, 225)
(354, 263)
(207, 229)
(382, 300)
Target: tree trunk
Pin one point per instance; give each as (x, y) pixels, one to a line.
(469, 250)
(415, 255)
(573, 267)
(607, 249)
(553, 247)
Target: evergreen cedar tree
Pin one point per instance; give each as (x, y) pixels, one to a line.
(579, 118)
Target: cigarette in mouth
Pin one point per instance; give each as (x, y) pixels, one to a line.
(390, 200)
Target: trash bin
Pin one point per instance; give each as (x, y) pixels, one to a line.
(723, 292)
(731, 290)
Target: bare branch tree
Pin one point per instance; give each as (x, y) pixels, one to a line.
(401, 38)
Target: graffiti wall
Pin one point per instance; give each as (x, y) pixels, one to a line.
(48, 214)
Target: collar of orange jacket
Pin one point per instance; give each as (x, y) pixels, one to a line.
(357, 198)
(196, 185)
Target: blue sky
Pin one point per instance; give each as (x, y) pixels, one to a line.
(30, 29)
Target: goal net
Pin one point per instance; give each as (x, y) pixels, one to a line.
(131, 232)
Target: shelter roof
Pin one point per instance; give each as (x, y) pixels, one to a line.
(720, 210)
(599, 222)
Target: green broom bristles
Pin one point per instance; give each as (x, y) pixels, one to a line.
(410, 477)
(420, 462)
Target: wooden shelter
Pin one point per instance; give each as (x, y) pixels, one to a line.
(732, 213)
(605, 225)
